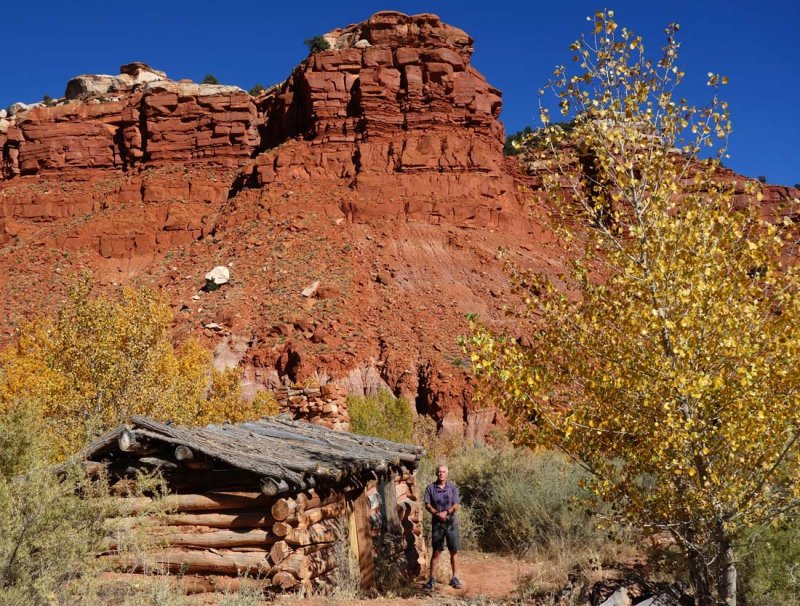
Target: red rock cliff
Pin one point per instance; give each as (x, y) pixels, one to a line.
(372, 179)
(375, 168)
(396, 108)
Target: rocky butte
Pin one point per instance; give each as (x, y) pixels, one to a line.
(358, 206)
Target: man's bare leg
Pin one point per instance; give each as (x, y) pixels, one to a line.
(454, 562)
(434, 563)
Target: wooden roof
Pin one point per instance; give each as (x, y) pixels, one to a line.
(288, 455)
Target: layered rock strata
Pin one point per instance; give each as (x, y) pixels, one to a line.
(395, 107)
(160, 122)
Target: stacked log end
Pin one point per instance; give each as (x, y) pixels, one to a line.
(325, 405)
(217, 537)
(408, 545)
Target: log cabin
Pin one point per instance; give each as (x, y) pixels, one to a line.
(277, 502)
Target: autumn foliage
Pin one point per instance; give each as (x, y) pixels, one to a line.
(102, 360)
(668, 361)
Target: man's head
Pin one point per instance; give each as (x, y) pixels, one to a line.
(441, 473)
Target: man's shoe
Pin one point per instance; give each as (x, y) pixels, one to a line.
(455, 583)
(430, 585)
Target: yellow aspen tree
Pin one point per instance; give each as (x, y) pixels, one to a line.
(667, 360)
(101, 360)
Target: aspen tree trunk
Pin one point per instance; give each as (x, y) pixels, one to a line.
(700, 579)
(726, 581)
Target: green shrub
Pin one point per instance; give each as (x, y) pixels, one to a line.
(528, 138)
(770, 569)
(257, 89)
(210, 79)
(526, 500)
(316, 44)
(382, 416)
(513, 143)
(49, 532)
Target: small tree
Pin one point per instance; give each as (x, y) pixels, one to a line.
(210, 79)
(667, 361)
(256, 90)
(382, 416)
(316, 44)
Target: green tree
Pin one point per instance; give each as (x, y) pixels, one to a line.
(210, 79)
(666, 361)
(256, 90)
(316, 44)
(382, 416)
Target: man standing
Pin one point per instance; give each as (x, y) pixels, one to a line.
(443, 501)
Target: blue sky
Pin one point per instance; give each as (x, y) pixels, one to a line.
(756, 44)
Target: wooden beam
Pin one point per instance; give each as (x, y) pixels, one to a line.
(366, 563)
(388, 499)
(352, 532)
(187, 584)
(196, 502)
(128, 441)
(183, 453)
(189, 561)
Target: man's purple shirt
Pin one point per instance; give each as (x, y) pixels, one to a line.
(442, 499)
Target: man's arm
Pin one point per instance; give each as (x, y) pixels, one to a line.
(427, 500)
(456, 504)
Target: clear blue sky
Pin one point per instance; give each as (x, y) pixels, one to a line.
(755, 43)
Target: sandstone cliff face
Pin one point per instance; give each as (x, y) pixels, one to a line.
(159, 122)
(396, 107)
(375, 169)
(361, 170)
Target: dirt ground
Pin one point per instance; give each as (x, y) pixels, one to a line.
(484, 576)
